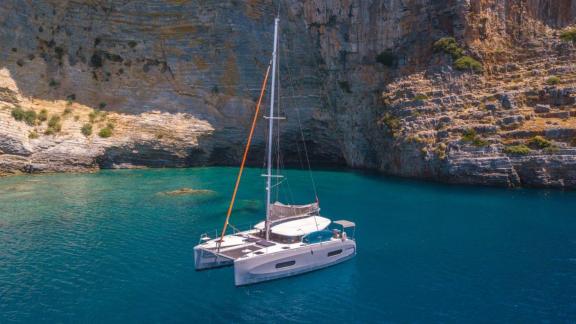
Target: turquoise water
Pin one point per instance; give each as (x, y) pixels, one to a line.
(107, 247)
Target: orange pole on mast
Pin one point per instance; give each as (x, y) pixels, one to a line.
(246, 149)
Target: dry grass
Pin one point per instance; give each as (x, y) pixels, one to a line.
(540, 124)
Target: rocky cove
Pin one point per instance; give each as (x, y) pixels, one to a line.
(459, 91)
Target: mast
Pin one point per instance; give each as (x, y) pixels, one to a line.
(270, 131)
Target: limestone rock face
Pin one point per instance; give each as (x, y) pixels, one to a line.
(176, 81)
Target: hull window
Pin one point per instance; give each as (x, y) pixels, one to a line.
(285, 264)
(333, 253)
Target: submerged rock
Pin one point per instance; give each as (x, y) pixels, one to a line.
(248, 205)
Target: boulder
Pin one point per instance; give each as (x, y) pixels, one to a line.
(507, 101)
(491, 107)
(540, 109)
(512, 120)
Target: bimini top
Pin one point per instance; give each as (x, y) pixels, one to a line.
(345, 223)
(298, 227)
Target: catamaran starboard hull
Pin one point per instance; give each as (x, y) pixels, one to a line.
(292, 262)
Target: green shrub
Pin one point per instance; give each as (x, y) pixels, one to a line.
(391, 122)
(67, 111)
(92, 116)
(86, 129)
(18, 113)
(96, 115)
(54, 125)
(30, 117)
(110, 125)
(105, 132)
(569, 35)
(480, 142)
(462, 62)
(386, 58)
(539, 142)
(421, 96)
(517, 149)
(70, 99)
(467, 63)
(553, 80)
(54, 121)
(470, 136)
(33, 135)
(450, 46)
(27, 116)
(102, 105)
(43, 115)
(441, 151)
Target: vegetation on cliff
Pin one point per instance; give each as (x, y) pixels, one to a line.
(86, 129)
(553, 80)
(470, 136)
(392, 123)
(43, 115)
(467, 63)
(54, 125)
(520, 149)
(106, 131)
(539, 142)
(27, 116)
(569, 35)
(462, 62)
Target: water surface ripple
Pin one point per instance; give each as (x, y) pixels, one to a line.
(110, 247)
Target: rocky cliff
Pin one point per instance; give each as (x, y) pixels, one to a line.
(460, 91)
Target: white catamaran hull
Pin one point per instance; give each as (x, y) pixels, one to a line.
(207, 260)
(292, 262)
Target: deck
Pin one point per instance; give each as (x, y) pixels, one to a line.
(248, 244)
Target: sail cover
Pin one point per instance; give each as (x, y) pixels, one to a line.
(279, 211)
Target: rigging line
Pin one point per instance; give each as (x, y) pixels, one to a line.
(302, 133)
(278, 11)
(289, 196)
(290, 83)
(246, 149)
(278, 126)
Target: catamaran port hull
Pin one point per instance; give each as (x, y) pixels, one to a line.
(204, 260)
(292, 262)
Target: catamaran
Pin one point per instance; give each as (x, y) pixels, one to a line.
(293, 239)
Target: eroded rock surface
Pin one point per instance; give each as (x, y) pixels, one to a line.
(179, 81)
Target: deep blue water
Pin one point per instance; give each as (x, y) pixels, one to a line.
(107, 247)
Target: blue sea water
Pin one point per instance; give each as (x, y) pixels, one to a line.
(111, 248)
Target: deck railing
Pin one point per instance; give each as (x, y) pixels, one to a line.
(215, 233)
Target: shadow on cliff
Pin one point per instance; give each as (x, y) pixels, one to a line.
(217, 150)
